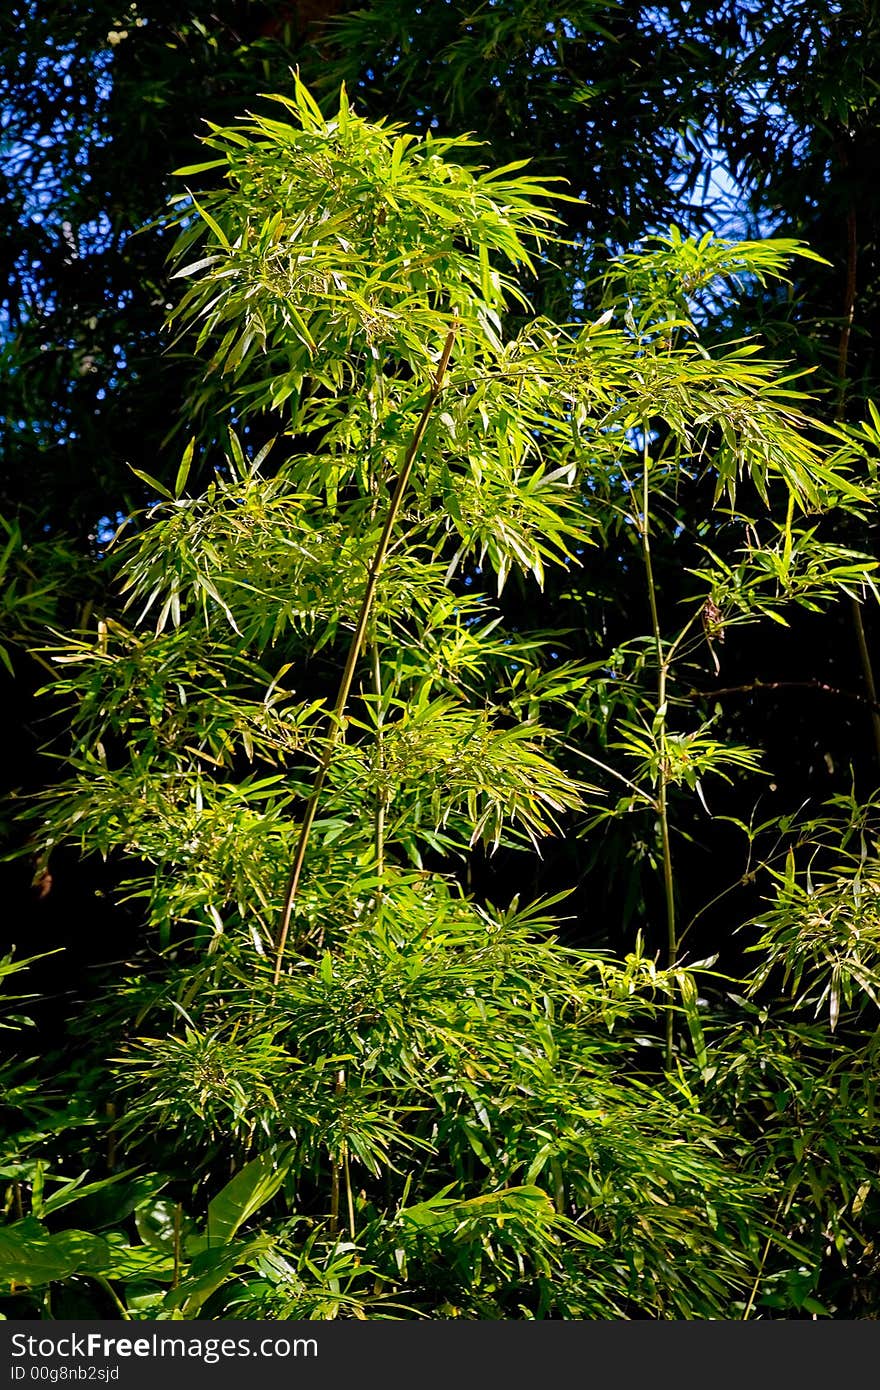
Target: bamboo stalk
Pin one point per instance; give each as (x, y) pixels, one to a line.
(814, 684)
(349, 1194)
(334, 1168)
(381, 799)
(663, 773)
(354, 652)
(849, 311)
(178, 1213)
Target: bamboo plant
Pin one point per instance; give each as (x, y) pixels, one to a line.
(313, 708)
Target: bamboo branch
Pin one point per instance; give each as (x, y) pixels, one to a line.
(334, 1167)
(381, 798)
(334, 1198)
(111, 1293)
(813, 684)
(867, 669)
(175, 1277)
(663, 660)
(349, 1194)
(849, 310)
(354, 652)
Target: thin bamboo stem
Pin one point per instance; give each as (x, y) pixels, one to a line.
(381, 799)
(663, 771)
(813, 684)
(349, 1195)
(354, 652)
(334, 1198)
(175, 1277)
(114, 1296)
(766, 1251)
(335, 1168)
(849, 310)
(867, 669)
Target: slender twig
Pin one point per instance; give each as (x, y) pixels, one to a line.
(110, 1111)
(849, 310)
(375, 654)
(113, 1295)
(633, 786)
(334, 1198)
(178, 1213)
(349, 1194)
(757, 1284)
(334, 1168)
(766, 1251)
(672, 650)
(381, 796)
(354, 652)
(867, 669)
(787, 685)
(663, 771)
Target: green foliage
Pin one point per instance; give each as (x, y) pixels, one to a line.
(822, 929)
(33, 576)
(429, 1106)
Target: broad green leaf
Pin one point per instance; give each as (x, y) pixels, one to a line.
(29, 1255)
(254, 1185)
